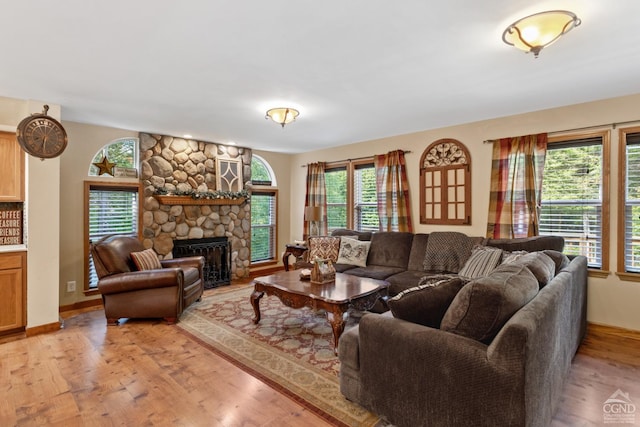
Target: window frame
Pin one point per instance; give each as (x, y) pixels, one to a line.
(622, 199)
(350, 166)
(106, 186)
(605, 136)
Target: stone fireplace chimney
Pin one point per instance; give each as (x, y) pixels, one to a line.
(187, 166)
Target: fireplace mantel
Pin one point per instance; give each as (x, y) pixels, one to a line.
(188, 200)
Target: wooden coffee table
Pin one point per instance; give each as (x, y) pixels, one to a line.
(335, 298)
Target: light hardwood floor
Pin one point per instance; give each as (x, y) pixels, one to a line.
(146, 373)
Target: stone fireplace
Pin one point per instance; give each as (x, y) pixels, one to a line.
(183, 166)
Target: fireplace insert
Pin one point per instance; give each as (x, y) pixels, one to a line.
(217, 258)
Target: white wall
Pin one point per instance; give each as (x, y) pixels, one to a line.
(611, 300)
(43, 219)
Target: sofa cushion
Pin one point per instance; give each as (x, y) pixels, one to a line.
(427, 303)
(146, 260)
(359, 235)
(404, 280)
(378, 272)
(353, 252)
(484, 305)
(390, 249)
(447, 251)
(482, 261)
(418, 249)
(529, 244)
(324, 247)
(540, 264)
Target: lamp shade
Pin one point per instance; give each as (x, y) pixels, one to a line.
(282, 116)
(313, 213)
(533, 33)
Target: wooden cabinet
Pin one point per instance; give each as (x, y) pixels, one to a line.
(13, 289)
(11, 169)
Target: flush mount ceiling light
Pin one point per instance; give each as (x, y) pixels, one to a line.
(282, 116)
(539, 30)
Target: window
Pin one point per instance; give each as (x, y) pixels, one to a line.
(263, 225)
(264, 211)
(352, 198)
(110, 208)
(365, 196)
(445, 183)
(122, 153)
(575, 197)
(335, 180)
(629, 200)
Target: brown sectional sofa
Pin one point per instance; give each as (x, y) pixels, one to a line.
(417, 375)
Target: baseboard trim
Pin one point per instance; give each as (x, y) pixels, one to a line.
(613, 330)
(80, 305)
(43, 329)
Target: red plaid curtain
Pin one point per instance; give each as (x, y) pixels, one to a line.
(516, 186)
(316, 196)
(394, 207)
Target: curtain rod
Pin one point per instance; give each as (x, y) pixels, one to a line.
(613, 125)
(356, 158)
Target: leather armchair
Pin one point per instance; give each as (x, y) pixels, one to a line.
(127, 292)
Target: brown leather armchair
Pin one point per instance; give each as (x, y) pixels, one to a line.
(127, 292)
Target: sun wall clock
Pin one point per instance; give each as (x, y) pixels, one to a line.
(41, 136)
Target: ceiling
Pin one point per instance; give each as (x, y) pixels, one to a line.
(356, 69)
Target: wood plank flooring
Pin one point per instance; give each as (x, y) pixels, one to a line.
(145, 373)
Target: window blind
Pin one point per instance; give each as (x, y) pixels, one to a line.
(365, 214)
(632, 205)
(111, 211)
(572, 197)
(263, 226)
(336, 189)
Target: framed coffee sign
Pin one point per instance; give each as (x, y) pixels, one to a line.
(10, 224)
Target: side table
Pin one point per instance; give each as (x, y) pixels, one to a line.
(292, 249)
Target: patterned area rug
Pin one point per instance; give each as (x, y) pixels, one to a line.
(290, 349)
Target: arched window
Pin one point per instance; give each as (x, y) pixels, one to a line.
(261, 172)
(264, 211)
(445, 183)
(118, 158)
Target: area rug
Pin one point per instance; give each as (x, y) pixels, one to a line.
(290, 349)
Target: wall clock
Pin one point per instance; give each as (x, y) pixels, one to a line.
(41, 136)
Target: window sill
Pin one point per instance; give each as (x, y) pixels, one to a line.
(90, 292)
(630, 277)
(264, 263)
(599, 273)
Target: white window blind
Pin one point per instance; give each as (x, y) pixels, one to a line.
(572, 197)
(365, 214)
(111, 211)
(263, 225)
(336, 189)
(632, 205)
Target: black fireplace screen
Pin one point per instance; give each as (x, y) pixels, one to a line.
(217, 258)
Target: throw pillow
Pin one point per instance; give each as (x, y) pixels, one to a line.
(426, 304)
(146, 260)
(353, 252)
(484, 305)
(324, 247)
(508, 257)
(543, 267)
(559, 258)
(482, 261)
